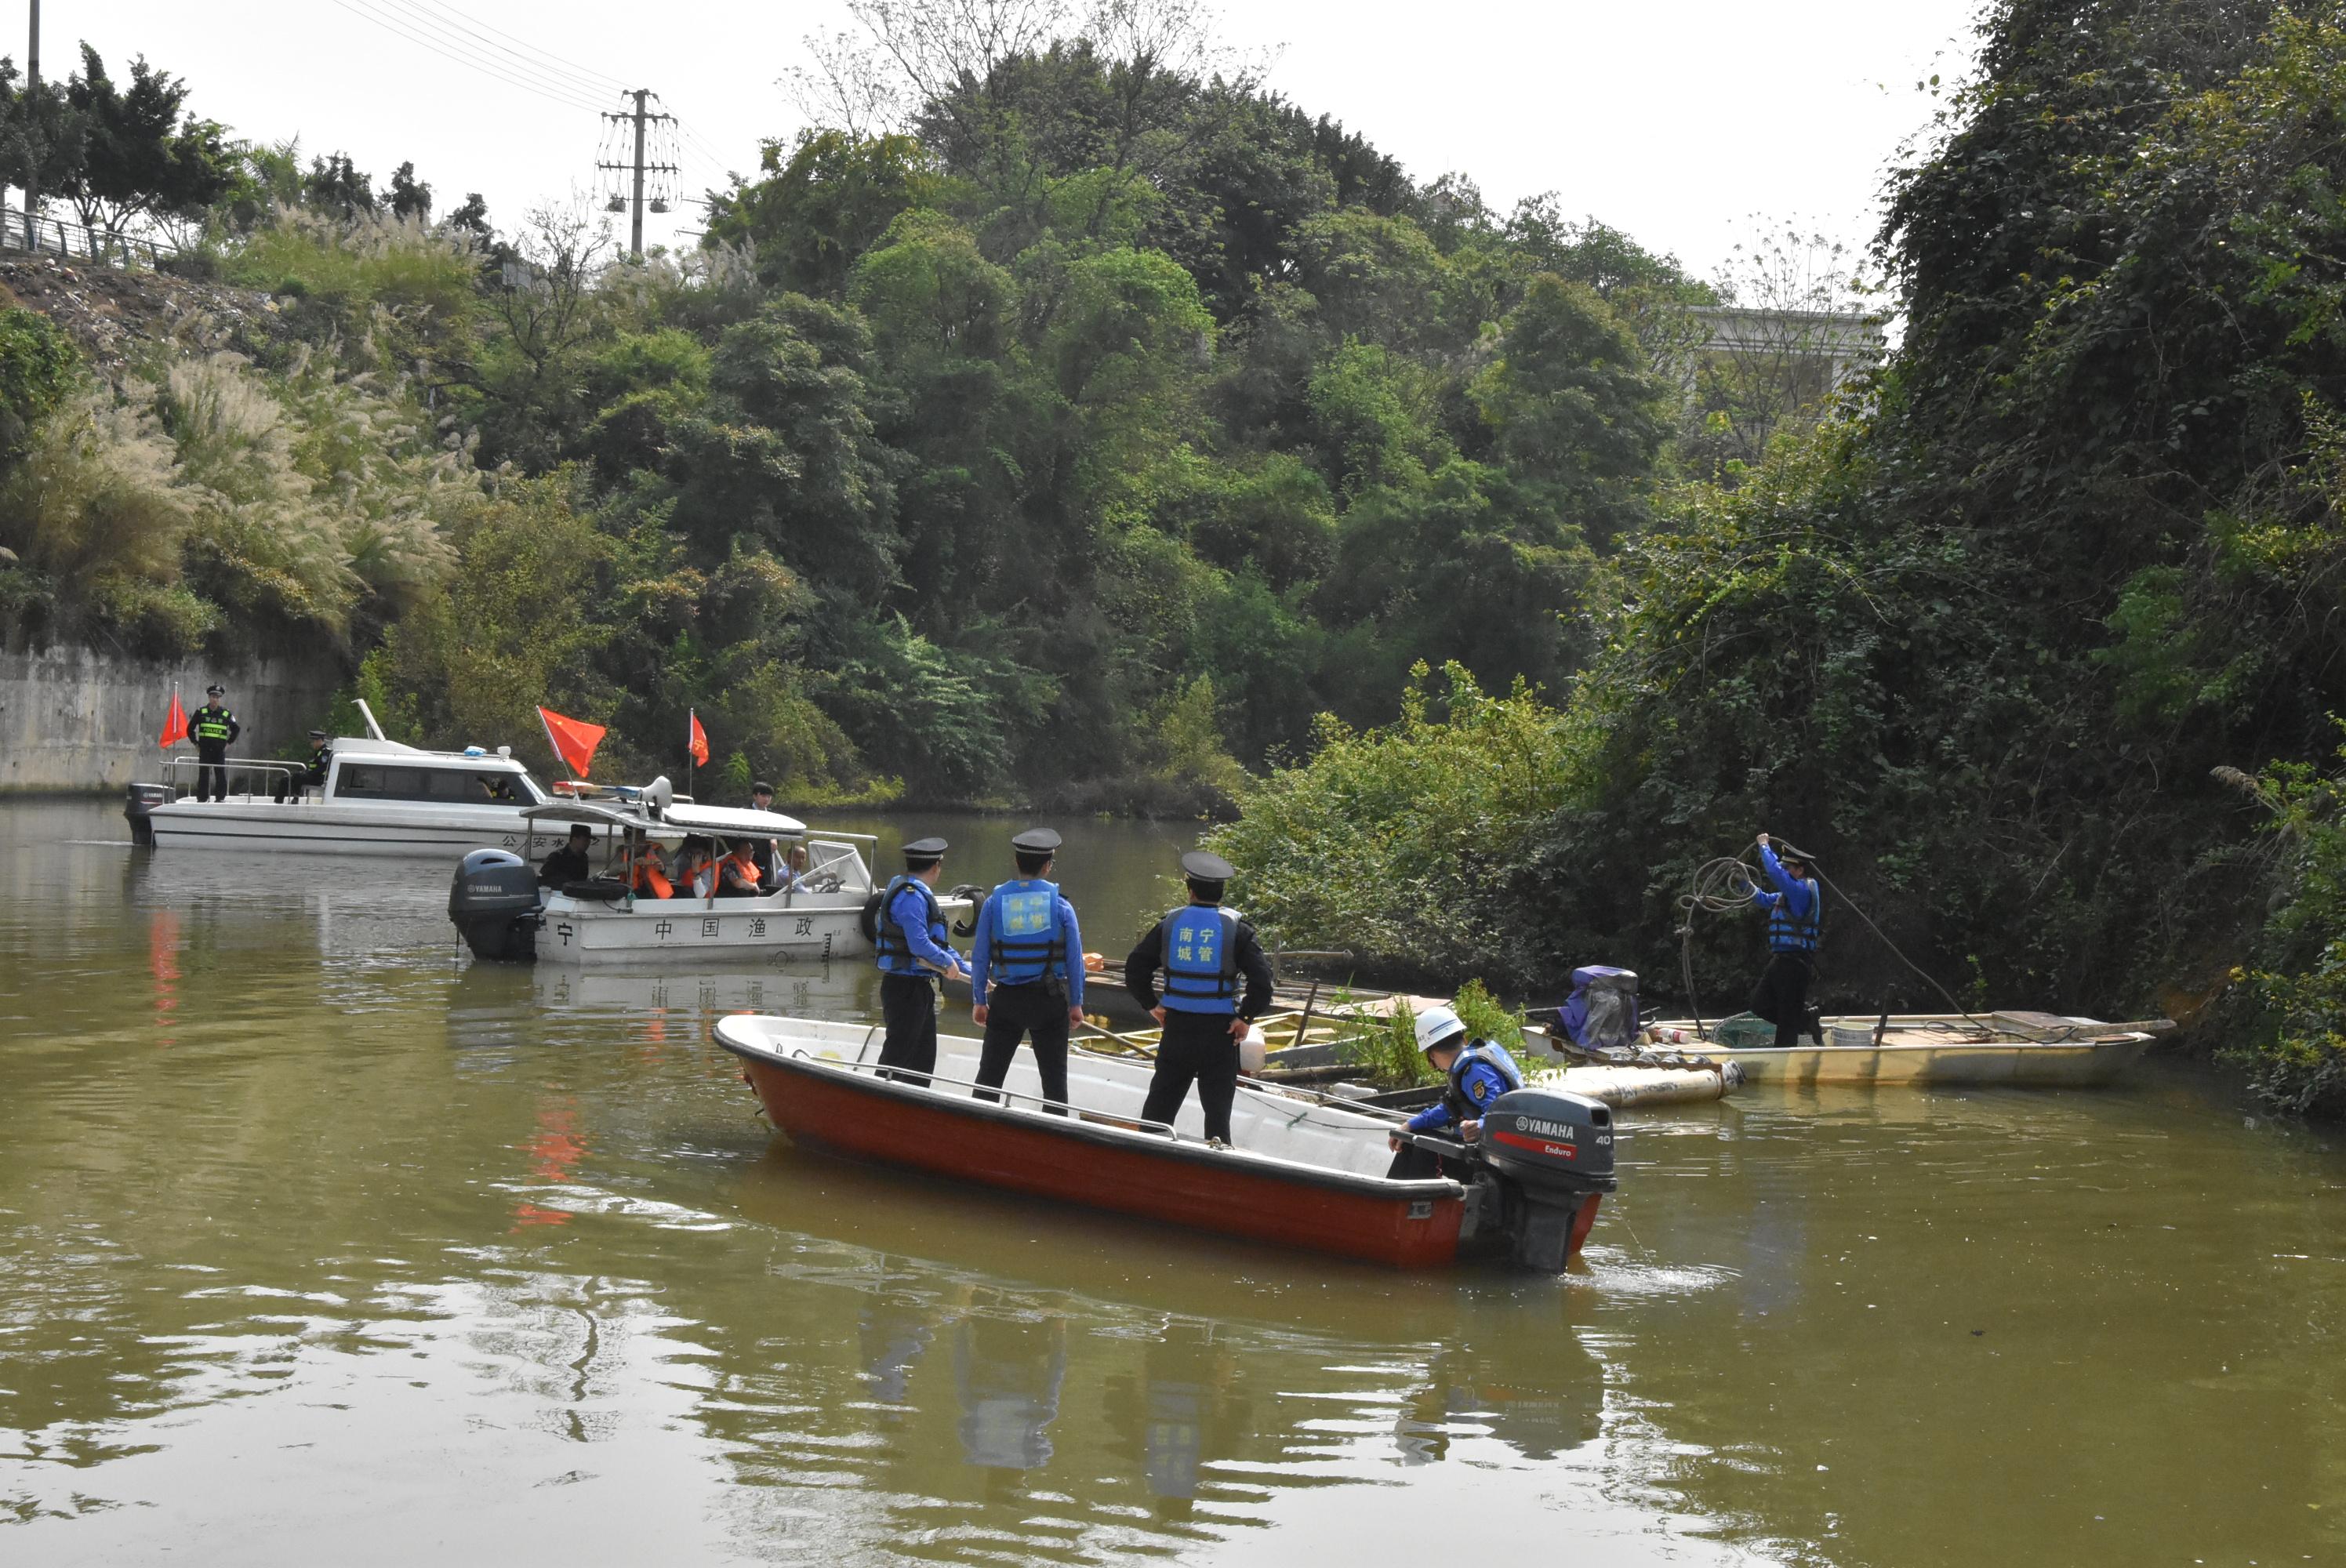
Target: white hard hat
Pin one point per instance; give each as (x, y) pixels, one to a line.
(1436, 1024)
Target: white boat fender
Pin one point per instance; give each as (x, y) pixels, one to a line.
(1254, 1049)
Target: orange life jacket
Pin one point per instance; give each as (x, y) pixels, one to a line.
(649, 880)
(739, 870)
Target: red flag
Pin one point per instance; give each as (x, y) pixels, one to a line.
(697, 742)
(175, 725)
(574, 741)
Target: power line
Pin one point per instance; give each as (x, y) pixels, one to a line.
(431, 19)
(392, 25)
(614, 83)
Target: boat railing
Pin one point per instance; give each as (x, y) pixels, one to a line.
(931, 1079)
(291, 776)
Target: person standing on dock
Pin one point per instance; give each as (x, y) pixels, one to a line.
(909, 930)
(1026, 970)
(213, 728)
(1203, 950)
(1795, 926)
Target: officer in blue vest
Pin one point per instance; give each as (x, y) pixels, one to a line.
(910, 934)
(1026, 970)
(1474, 1073)
(1795, 925)
(1203, 951)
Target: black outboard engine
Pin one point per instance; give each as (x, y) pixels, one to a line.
(493, 901)
(1546, 1159)
(138, 807)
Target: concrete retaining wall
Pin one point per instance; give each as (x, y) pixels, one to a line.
(74, 719)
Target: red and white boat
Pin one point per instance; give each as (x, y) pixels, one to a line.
(1305, 1172)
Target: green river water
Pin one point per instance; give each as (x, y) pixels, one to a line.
(320, 1243)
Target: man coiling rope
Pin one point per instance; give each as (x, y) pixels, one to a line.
(1729, 884)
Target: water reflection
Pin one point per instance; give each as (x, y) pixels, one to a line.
(304, 1218)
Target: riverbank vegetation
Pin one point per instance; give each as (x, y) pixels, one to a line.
(1983, 641)
(1063, 416)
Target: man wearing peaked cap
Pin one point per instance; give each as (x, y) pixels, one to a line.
(909, 932)
(213, 728)
(1203, 951)
(1026, 970)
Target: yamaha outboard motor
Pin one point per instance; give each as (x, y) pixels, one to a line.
(493, 901)
(1546, 1161)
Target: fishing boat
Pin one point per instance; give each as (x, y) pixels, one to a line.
(2012, 1050)
(1302, 1171)
(497, 906)
(380, 796)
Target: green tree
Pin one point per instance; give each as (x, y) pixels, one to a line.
(143, 158)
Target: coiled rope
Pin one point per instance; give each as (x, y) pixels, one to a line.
(1725, 886)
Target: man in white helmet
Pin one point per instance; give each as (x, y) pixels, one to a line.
(1476, 1072)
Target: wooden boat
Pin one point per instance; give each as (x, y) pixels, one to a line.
(2013, 1050)
(1304, 1172)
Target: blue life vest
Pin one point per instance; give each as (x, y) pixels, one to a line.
(1489, 1053)
(888, 933)
(1789, 933)
(1026, 940)
(1199, 964)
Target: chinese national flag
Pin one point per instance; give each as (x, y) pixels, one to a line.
(574, 741)
(175, 723)
(697, 742)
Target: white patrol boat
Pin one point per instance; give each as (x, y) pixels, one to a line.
(502, 912)
(379, 797)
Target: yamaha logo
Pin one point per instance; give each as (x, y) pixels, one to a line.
(1545, 1129)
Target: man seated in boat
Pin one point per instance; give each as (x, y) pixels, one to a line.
(570, 862)
(1202, 949)
(694, 869)
(1795, 925)
(737, 873)
(1474, 1073)
(648, 873)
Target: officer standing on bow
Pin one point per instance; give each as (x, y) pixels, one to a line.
(1203, 950)
(1026, 970)
(909, 932)
(212, 728)
(1474, 1073)
(1795, 927)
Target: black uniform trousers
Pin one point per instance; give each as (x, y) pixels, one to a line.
(908, 1011)
(1036, 1010)
(1195, 1048)
(211, 776)
(1781, 997)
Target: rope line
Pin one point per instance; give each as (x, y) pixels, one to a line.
(1725, 886)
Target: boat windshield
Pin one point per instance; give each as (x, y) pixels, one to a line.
(828, 858)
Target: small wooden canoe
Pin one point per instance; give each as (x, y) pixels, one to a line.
(1303, 1173)
(1939, 1051)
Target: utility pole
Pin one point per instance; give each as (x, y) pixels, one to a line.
(34, 145)
(640, 118)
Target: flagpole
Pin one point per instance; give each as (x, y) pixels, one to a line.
(691, 722)
(558, 754)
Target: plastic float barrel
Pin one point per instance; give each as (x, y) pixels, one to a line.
(493, 900)
(138, 807)
(1553, 1152)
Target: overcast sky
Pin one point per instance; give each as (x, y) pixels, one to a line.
(1675, 121)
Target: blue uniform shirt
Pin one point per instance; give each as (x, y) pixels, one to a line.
(981, 953)
(1483, 1082)
(1794, 907)
(909, 911)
